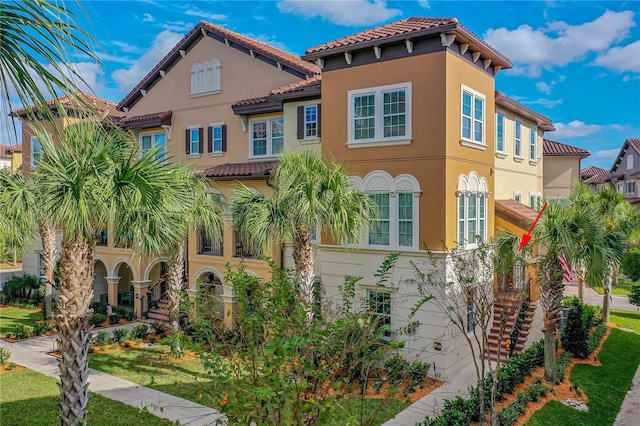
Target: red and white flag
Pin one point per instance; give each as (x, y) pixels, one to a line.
(568, 275)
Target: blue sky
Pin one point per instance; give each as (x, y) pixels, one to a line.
(577, 62)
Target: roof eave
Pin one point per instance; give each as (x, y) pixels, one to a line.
(542, 122)
(297, 96)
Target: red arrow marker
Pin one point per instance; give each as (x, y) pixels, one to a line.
(527, 237)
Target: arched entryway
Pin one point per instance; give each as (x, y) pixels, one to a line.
(211, 291)
(126, 276)
(100, 286)
(156, 275)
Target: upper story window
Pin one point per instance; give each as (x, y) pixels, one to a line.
(36, 151)
(205, 77)
(153, 140)
(380, 114)
(630, 161)
(217, 138)
(194, 140)
(518, 139)
(517, 197)
(533, 143)
(472, 116)
(308, 126)
(500, 132)
(267, 137)
(396, 224)
(631, 187)
(472, 194)
(619, 187)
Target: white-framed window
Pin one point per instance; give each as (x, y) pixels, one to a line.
(217, 138)
(380, 114)
(533, 143)
(472, 196)
(500, 132)
(311, 121)
(205, 77)
(619, 187)
(630, 161)
(631, 186)
(267, 137)
(195, 140)
(539, 205)
(517, 197)
(380, 307)
(36, 151)
(518, 139)
(472, 116)
(153, 140)
(396, 225)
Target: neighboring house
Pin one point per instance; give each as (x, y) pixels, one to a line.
(561, 168)
(624, 175)
(11, 157)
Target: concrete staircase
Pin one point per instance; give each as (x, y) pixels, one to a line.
(161, 312)
(503, 311)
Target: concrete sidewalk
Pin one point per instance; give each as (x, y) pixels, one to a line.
(32, 354)
(629, 414)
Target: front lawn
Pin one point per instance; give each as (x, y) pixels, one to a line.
(10, 316)
(33, 401)
(623, 288)
(606, 386)
(626, 319)
(185, 379)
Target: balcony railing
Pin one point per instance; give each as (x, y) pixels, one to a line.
(211, 246)
(244, 250)
(103, 238)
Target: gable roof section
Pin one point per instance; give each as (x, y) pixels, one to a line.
(409, 28)
(106, 108)
(592, 171)
(308, 88)
(512, 105)
(260, 50)
(633, 143)
(559, 149)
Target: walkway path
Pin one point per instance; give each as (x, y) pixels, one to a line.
(629, 414)
(32, 354)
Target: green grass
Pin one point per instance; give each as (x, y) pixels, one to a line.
(606, 386)
(10, 316)
(626, 319)
(149, 367)
(624, 287)
(33, 401)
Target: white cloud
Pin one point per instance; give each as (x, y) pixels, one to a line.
(543, 87)
(424, 3)
(577, 128)
(344, 12)
(621, 59)
(559, 43)
(126, 47)
(205, 15)
(176, 26)
(270, 40)
(628, 78)
(162, 44)
(147, 17)
(547, 103)
(107, 57)
(605, 154)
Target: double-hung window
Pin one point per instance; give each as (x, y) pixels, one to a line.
(380, 232)
(194, 137)
(36, 151)
(472, 218)
(194, 140)
(267, 137)
(216, 138)
(380, 114)
(533, 143)
(472, 116)
(500, 133)
(309, 120)
(149, 141)
(394, 224)
(518, 139)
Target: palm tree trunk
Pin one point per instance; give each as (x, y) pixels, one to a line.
(580, 274)
(303, 259)
(49, 255)
(551, 291)
(606, 301)
(72, 317)
(614, 277)
(174, 277)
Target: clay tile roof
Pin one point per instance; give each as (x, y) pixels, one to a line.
(405, 26)
(241, 170)
(146, 117)
(192, 36)
(601, 175)
(108, 109)
(634, 143)
(553, 148)
(543, 121)
(592, 171)
(7, 150)
(515, 210)
(310, 84)
(251, 101)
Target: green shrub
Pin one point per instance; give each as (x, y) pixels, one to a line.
(160, 328)
(121, 335)
(5, 354)
(509, 415)
(140, 331)
(99, 308)
(630, 265)
(20, 331)
(634, 294)
(575, 334)
(123, 312)
(41, 327)
(97, 320)
(23, 288)
(418, 372)
(114, 319)
(103, 338)
(594, 339)
(562, 363)
(588, 316)
(152, 339)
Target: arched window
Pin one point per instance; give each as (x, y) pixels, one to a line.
(205, 77)
(472, 194)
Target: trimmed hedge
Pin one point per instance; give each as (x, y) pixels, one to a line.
(509, 415)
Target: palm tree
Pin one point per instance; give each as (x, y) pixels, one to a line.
(92, 177)
(310, 193)
(203, 214)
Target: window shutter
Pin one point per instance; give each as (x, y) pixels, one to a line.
(224, 138)
(319, 120)
(200, 140)
(210, 139)
(187, 138)
(300, 122)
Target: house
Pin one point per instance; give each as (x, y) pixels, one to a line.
(561, 168)
(11, 157)
(624, 175)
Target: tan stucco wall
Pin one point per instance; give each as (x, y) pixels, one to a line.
(291, 140)
(560, 175)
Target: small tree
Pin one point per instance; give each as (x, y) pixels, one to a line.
(631, 264)
(575, 334)
(634, 295)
